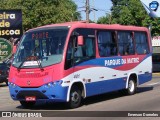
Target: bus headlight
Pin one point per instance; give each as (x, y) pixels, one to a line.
(52, 84)
(49, 84)
(58, 82)
(12, 84)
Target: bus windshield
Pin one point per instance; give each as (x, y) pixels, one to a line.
(46, 45)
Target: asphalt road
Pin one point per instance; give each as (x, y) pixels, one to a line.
(114, 105)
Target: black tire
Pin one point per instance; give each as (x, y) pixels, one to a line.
(132, 87)
(75, 98)
(27, 104)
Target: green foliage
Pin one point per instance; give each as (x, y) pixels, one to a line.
(131, 12)
(42, 12)
(105, 19)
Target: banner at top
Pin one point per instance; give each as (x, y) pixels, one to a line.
(10, 24)
(152, 7)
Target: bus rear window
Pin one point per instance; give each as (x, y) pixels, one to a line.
(141, 43)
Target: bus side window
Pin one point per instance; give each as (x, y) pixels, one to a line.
(125, 43)
(129, 44)
(141, 43)
(107, 43)
(90, 47)
(113, 44)
(120, 45)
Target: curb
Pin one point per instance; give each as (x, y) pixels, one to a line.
(155, 73)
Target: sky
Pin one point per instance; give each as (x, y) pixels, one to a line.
(103, 7)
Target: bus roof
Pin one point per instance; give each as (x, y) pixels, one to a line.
(84, 24)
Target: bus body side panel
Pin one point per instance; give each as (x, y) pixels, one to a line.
(105, 86)
(102, 75)
(146, 69)
(145, 78)
(98, 75)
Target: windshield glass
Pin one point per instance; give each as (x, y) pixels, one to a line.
(47, 45)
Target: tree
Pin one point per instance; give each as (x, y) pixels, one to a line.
(105, 19)
(131, 12)
(40, 12)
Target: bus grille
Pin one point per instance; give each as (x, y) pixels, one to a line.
(37, 94)
(31, 75)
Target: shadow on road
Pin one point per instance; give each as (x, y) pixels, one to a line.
(144, 89)
(90, 100)
(113, 95)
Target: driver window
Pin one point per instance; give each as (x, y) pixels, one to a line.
(87, 50)
(78, 54)
(81, 53)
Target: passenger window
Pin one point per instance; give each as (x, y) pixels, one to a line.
(141, 43)
(107, 43)
(125, 43)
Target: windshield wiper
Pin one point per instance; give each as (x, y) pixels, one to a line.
(39, 64)
(29, 58)
(19, 67)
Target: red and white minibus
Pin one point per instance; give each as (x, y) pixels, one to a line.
(70, 61)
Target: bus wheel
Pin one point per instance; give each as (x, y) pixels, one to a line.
(131, 87)
(26, 104)
(75, 98)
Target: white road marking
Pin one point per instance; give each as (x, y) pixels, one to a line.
(151, 84)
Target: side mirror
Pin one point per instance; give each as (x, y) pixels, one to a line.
(80, 41)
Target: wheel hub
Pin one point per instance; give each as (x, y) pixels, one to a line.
(131, 86)
(75, 97)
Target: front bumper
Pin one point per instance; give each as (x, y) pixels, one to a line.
(55, 93)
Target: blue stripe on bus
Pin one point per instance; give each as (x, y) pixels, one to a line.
(144, 78)
(104, 86)
(101, 61)
(112, 85)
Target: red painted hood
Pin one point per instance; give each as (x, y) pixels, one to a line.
(34, 77)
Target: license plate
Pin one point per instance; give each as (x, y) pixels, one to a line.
(30, 98)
